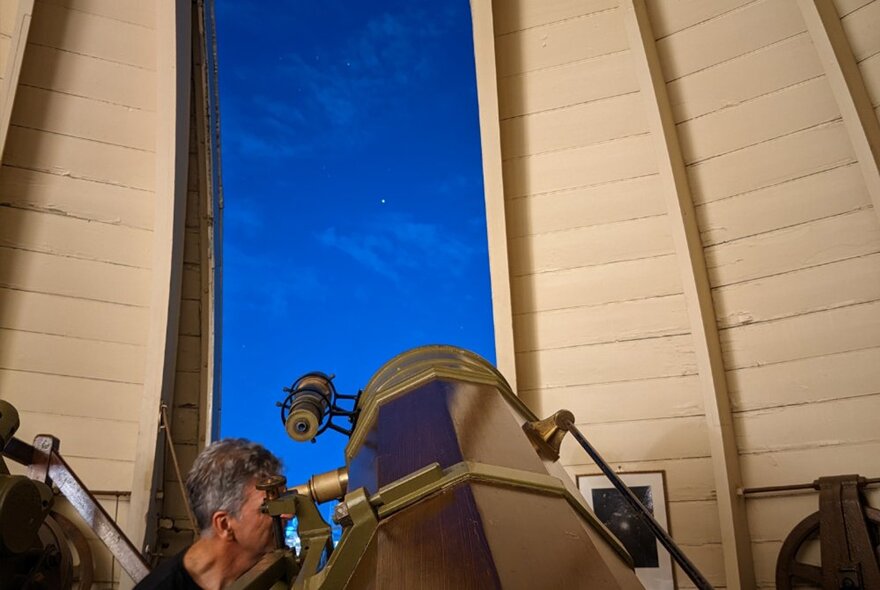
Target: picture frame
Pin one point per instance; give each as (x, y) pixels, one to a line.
(653, 563)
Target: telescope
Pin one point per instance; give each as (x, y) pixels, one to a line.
(449, 481)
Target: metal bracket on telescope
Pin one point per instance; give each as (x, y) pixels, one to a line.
(312, 403)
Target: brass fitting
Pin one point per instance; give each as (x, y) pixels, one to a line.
(546, 435)
(330, 485)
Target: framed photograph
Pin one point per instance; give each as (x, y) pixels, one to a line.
(653, 563)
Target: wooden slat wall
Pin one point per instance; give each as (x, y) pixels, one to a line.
(78, 209)
(8, 9)
(77, 203)
(791, 242)
(75, 229)
(176, 532)
(600, 324)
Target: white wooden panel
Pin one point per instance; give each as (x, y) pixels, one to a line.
(173, 505)
(83, 437)
(186, 455)
(594, 285)
(560, 43)
(766, 554)
(694, 523)
(81, 75)
(191, 252)
(80, 158)
(70, 396)
(595, 205)
(139, 13)
(8, 10)
(77, 238)
(192, 210)
(804, 291)
(45, 273)
(721, 39)
(58, 355)
(87, 34)
(592, 79)
(78, 198)
(599, 244)
(772, 517)
(77, 318)
(686, 479)
(614, 322)
(649, 399)
(809, 244)
(813, 197)
(849, 421)
(709, 559)
(191, 284)
(185, 425)
(116, 507)
(772, 162)
(187, 389)
(805, 465)
(5, 44)
(605, 363)
(515, 15)
(106, 570)
(671, 17)
(101, 474)
(605, 162)
(815, 334)
(844, 7)
(814, 379)
(190, 320)
(189, 356)
(754, 74)
(192, 180)
(773, 115)
(870, 69)
(80, 117)
(862, 29)
(673, 438)
(576, 126)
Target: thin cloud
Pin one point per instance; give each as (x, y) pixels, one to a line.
(397, 245)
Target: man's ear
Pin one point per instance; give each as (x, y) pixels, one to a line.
(222, 526)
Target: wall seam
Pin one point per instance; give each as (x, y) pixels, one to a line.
(848, 87)
(493, 186)
(736, 541)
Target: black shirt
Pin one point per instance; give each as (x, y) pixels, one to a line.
(170, 575)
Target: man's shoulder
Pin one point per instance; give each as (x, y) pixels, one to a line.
(169, 575)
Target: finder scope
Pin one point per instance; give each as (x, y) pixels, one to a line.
(312, 404)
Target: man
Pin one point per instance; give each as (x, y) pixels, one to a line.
(234, 533)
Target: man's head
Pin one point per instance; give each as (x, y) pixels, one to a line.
(223, 495)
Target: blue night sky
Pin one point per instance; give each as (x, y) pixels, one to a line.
(354, 217)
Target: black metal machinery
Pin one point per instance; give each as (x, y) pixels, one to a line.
(847, 530)
(37, 544)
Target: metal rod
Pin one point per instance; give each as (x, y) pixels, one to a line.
(97, 518)
(168, 438)
(689, 568)
(797, 486)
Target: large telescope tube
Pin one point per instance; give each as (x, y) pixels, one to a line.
(463, 498)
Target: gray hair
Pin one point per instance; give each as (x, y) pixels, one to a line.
(220, 474)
